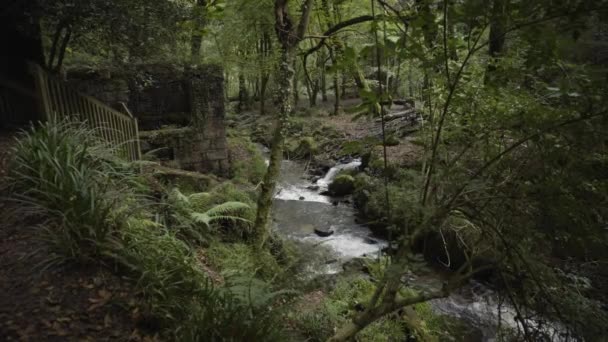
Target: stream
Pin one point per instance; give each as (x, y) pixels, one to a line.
(300, 208)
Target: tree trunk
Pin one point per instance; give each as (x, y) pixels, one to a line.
(323, 79)
(285, 75)
(497, 38)
(243, 93)
(289, 35)
(296, 85)
(263, 87)
(197, 35)
(336, 79)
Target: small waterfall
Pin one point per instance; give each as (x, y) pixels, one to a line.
(300, 208)
(331, 174)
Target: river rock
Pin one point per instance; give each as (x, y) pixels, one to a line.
(302, 198)
(313, 187)
(324, 232)
(356, 265)
(342, 185)
(371, 241)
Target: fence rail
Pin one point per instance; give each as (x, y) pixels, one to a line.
(60, 101)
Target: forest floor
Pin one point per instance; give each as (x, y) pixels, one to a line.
(76, 303)
(406, 153)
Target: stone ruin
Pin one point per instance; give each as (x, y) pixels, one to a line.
(181, 111)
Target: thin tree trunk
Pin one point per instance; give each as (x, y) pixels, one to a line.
(289, 35)
(336, 79)
(197, 35)
(63, 48)
(296, 85)
(497, 38)
(243, 93)
(285, 75)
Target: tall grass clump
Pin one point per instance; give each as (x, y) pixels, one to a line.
(62, 174)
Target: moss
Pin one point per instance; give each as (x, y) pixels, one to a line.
(247, 163)
(370, 199)
(392, 140)
(305, 147)
(342, 185)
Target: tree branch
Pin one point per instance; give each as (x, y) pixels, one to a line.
(303, 24)
(334, 29)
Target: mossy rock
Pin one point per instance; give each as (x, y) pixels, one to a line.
(392, 140)
(303, 148)
(342, 185)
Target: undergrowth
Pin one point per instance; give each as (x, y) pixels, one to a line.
(92, 209)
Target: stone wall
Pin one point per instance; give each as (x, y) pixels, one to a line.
(191, 101)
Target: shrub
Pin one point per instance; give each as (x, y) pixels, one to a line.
(247, 161)
(192, 224)
(305, 147)
(340, 306)
(243, 258)
(179, 296)
(63, 174)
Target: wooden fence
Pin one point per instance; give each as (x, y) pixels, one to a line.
(59, 101)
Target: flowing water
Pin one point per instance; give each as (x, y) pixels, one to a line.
(300, 208)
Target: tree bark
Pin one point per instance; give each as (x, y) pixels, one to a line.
(197, 35)
(496, 44)
(289, 36)
(243, 93)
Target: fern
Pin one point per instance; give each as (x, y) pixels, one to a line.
(191, 224)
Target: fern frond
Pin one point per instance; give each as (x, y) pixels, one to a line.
(226, 208)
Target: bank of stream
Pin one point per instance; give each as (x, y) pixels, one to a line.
(301, 207)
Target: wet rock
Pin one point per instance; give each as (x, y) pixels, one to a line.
(302, 198)
(331, 261)
(314, 180)
(313, 187)
(371, 241)
(335, 203)
(356, 265)
(342, 185)
(324, 232)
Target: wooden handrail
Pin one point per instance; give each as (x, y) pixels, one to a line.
(58, 101)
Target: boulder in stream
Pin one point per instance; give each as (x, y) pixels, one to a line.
(342, 185)
(324, 232)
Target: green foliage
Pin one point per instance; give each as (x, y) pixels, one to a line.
(305, 147)
(247, 161)
(370, 198)
(180, 296)
(339, 306)
(342, 185)
(225, 211)
(62, 173)
(243, 259)
(189, 223)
